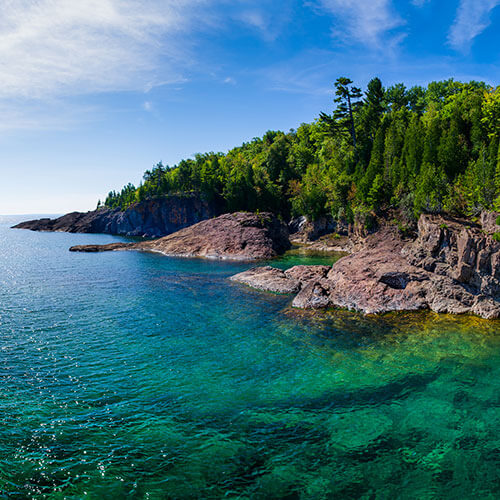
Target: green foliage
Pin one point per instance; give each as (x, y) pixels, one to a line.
(430, 190)
(418, 150)
(496, 237)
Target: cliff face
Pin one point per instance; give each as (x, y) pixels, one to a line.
(463, 252)
(151, 218)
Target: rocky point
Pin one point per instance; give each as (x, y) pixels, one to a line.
(150, 218)
(238, 236)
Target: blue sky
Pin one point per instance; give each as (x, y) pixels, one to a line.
(95, 92)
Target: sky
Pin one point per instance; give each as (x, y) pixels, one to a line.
(94, 92)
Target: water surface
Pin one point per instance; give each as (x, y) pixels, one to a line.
(133, 375)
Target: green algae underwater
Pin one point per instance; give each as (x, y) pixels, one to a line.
(132, 375)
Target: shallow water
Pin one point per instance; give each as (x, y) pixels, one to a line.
(133, 375)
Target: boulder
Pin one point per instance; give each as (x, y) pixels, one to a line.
(268, 279)
(314, 295)
(271, 279)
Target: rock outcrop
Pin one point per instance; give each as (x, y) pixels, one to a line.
(303, 230)
(239, 236)
(459, 250)
(271, 279)
(150, 218)
(452, 267)
(489, 222)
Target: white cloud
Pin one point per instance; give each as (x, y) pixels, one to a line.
(147, 106)
(366, 22)
(254, 18)
(473, 17)
(61, 47)
(265, 17)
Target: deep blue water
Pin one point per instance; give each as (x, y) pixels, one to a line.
(133, 375)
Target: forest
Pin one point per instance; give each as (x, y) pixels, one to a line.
(420, 149)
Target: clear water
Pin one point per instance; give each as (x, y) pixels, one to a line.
(132, 375)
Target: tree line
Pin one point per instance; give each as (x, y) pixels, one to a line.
(420, 149)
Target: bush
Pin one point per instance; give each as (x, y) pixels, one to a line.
(496, 237)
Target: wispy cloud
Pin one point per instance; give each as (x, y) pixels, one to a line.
(473, 17)
(365, 22)
(265, 17)
(420, 3)
(58, 47)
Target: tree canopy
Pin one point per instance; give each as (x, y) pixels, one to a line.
(433, 149)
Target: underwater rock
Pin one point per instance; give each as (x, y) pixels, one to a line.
(238, 236)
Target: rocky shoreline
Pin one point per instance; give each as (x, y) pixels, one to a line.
(452, 267)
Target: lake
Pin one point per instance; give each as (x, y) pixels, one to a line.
(134, 375)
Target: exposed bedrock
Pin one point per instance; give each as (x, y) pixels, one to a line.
(238, 236)
(150, 218)
(452, 267)
(271, 279)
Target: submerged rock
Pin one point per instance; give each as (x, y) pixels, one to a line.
(238, 236)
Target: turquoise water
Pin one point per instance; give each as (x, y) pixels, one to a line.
(132, 375)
